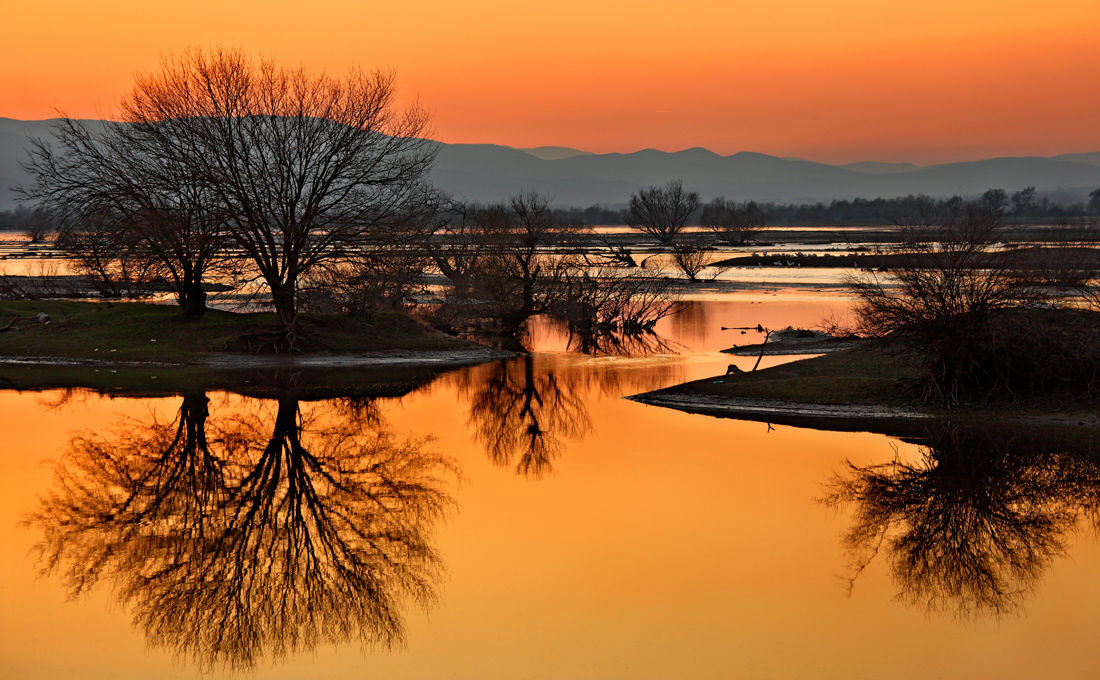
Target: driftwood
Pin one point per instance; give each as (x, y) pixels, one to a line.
(759, 328)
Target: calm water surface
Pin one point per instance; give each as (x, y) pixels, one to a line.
(520, 519)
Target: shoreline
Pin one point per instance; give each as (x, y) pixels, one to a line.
(853, 417)
(871, 386)
(397, 357)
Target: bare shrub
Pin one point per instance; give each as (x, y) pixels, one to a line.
(942, 296)
(606, 300)
(691, 259)
(104, 252)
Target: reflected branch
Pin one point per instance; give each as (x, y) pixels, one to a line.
(524, 412)
(971, 525)
(260, 535)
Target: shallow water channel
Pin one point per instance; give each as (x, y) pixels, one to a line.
(520, 519)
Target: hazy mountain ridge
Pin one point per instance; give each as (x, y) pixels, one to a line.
(489, 172)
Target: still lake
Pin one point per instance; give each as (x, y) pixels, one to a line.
(520, 519)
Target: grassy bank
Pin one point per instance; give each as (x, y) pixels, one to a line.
(870, 374)
(868, 387)
(138, 332)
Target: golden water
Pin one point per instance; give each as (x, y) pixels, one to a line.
(580, 535)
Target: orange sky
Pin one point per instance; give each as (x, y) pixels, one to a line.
(929, 80)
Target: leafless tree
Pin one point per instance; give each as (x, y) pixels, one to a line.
(104, 249)
(304, 167)
(946, 273)
(607, 300)
(691, 258)
(947, 285)
(519, 270)
(732, 222)
(459, 243)
(662, 212)
(383, 271)
(122, 188)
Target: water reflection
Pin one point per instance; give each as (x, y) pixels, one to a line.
(523, 411)
(251, 535)
(633, 344)
(973, 523)
(522, 415)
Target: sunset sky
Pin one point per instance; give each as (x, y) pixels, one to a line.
(924, 81)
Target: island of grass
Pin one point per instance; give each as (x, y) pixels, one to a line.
(132, 333)
(877, 385)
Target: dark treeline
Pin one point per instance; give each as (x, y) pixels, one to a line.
(1022, 205)
(1025, 205)
(35, 222)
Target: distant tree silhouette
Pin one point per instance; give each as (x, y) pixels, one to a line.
(662, 211)
(732, 222)
(1023, 200)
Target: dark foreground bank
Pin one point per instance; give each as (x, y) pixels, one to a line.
(93, 333)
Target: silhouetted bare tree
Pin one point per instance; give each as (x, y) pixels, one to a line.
(304, 168)
(732, 222)
(121, 189)
(511, 267)
(662, 212)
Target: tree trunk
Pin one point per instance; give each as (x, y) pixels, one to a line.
(192, 296)
(284, 298)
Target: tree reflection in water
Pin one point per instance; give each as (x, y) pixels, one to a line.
(523, 411)
(638, 343)
(252, 536)
(972, 525)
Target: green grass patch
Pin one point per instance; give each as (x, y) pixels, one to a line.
(872, 373)
(146, 332)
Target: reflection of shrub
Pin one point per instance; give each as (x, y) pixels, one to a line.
(973, 522)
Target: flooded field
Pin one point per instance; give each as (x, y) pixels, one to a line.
(520, 519)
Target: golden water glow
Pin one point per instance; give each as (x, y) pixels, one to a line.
(926, 80)
(659, 543)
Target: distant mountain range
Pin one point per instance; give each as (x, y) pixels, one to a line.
(489, 172)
